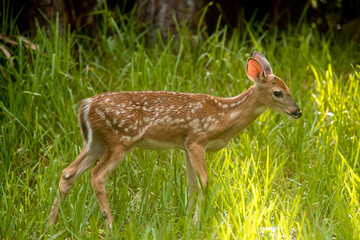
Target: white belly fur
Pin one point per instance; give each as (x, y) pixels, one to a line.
(148, 143)
(216, 145)
(152, 144)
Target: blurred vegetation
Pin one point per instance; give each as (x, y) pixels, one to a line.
(327, 15)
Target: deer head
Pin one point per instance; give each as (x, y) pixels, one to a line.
(273, 92)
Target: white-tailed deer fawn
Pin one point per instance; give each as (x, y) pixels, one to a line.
(113, 124)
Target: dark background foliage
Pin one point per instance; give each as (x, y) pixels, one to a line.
(340, 16)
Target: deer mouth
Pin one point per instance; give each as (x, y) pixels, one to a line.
(295, 114)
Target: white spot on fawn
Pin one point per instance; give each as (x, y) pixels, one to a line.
(179, 120)
(121, 123)
(108, 110)
(126, 138)
(137, 137)
(194, 123)
(108, 123)
(98, 112)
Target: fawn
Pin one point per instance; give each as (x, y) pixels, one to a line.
(113, 124)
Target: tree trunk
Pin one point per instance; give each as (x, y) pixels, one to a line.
(70, 12)
(164, 15)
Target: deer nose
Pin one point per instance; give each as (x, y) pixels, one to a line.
(297, 113)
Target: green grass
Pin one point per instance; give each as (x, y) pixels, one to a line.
(279, 179)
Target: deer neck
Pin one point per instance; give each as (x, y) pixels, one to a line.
(244, 109)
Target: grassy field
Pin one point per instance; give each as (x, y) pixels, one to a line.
(278, 179)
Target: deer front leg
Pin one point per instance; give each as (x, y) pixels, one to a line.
(195, 166)
(191, 176)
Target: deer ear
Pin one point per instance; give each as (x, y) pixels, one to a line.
(254, 70)
(264, 63)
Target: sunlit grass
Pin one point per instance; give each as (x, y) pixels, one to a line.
(279, 179)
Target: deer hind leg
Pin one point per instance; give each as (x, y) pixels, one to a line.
(195, 166)
(99, 174)
(83, 162)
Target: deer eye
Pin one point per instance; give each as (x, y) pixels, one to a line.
(277, 94)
